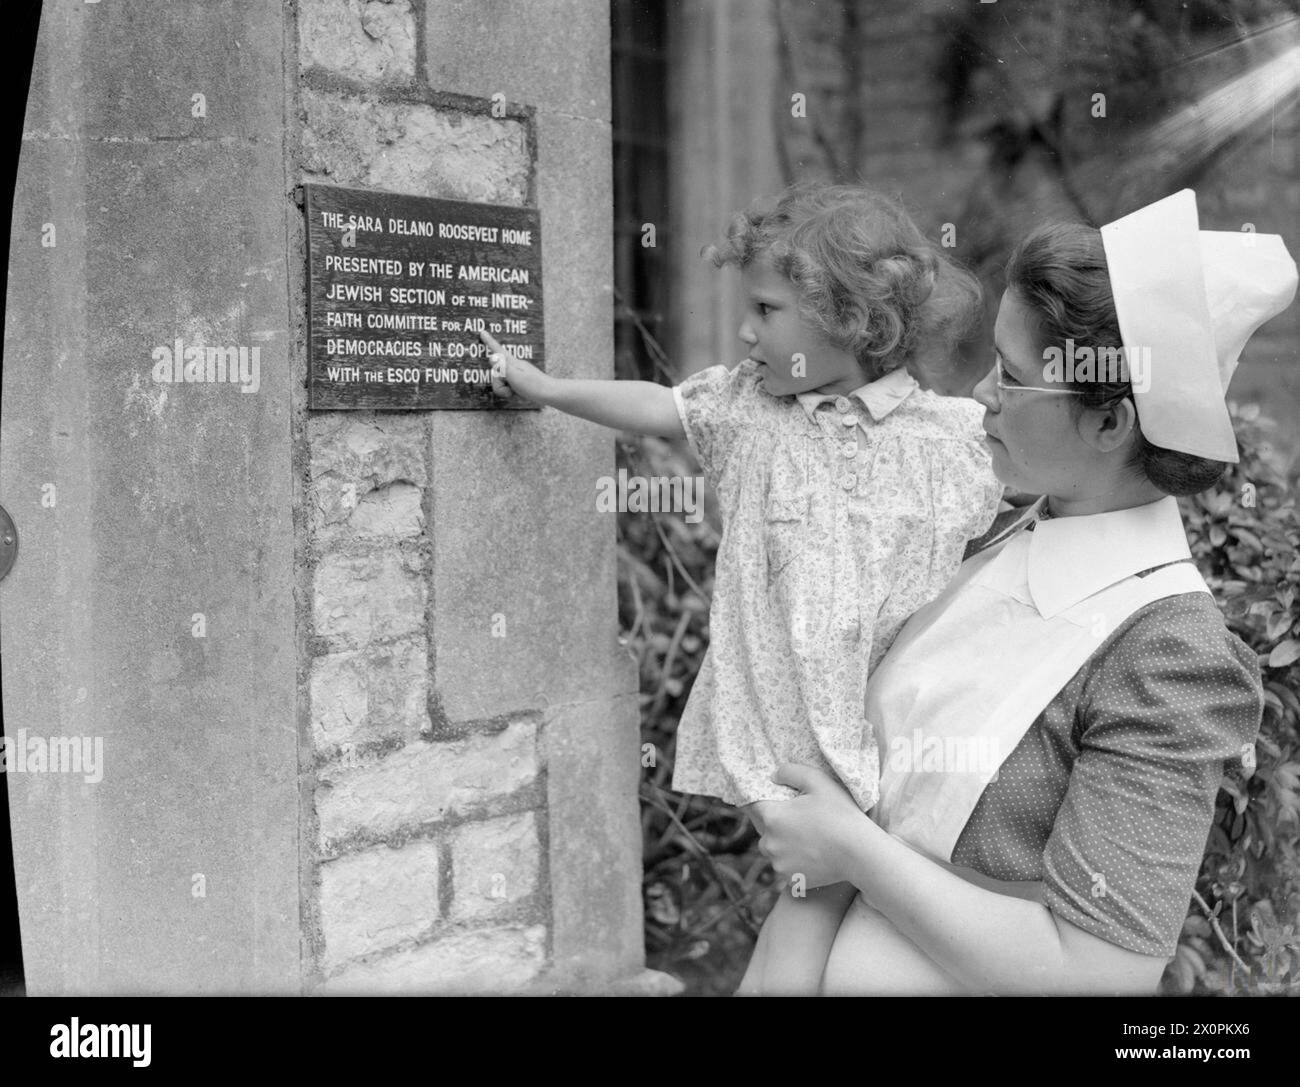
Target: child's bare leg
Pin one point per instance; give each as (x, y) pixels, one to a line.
(796, 941)
(752, 983)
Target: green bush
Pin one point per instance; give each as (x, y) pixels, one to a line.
(1241, 933)
(706, 887)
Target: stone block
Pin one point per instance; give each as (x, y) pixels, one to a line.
(375, 899)
(594, 833)
(360, 696)
(133, 69)
(495, 863)
(424, 782)
(363, 597)
(370, 41)
(478, 962)
(414, 148)
(553, 54)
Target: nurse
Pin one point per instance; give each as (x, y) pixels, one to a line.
(1078, 650)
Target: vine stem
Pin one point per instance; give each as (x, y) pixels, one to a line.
(703, 854)
(1234, 940)
(1214, 924)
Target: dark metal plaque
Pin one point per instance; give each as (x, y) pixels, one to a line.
(398, 287)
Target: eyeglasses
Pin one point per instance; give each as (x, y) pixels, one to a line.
(1004, 387)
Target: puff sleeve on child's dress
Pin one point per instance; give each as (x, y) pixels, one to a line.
(711, 404)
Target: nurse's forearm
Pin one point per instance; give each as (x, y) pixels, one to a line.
(990, 942)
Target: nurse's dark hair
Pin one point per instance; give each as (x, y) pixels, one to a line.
(1059, 271)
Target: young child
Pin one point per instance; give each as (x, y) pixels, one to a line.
(847, 492)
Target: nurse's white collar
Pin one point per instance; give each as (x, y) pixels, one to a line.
(1070, 558)
(880, 397)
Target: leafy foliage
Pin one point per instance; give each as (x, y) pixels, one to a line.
(1241, 934)
(706, 887)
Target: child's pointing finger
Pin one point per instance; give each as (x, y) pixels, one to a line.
(494, 348)
(497, 356)
(496, 353)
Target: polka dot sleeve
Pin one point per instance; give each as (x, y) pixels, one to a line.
(1167, 708)
(712, 405)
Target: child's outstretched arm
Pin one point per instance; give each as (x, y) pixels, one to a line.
(639, 406)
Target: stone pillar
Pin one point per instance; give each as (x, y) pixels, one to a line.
(151, 607)
(474, 720)
(405, 751)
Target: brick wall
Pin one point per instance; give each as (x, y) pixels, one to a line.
(473, 725)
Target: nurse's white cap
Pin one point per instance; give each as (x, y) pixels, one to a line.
(1193, 298)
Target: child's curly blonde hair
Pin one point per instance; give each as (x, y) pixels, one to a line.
(867, 277)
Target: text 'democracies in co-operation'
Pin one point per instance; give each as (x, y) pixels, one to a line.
(399, 288)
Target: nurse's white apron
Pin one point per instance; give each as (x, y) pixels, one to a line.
(972, 671)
